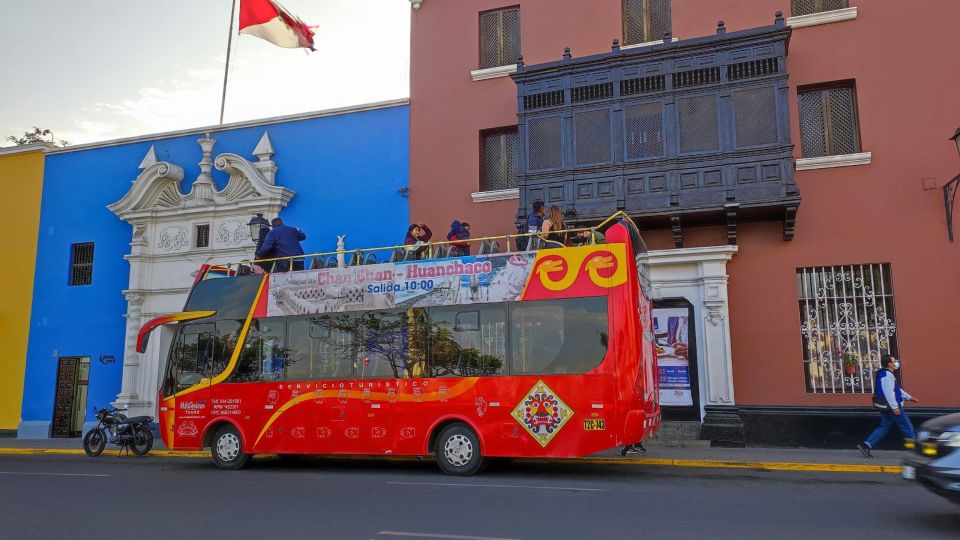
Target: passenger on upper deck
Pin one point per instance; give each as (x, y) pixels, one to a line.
(551, 225)
(283, 241)
(459, 231)
(418, 234)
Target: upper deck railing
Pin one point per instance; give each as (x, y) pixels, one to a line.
(489, 245)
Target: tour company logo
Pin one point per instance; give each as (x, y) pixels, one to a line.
(542, 413)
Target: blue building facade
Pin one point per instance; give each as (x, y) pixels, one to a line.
(349, 170)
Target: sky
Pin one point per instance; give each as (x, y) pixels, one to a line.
(97, 70)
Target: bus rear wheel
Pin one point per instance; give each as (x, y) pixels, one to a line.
(458, 451)
(227, 449)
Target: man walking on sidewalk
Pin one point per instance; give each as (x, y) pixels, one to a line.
(886, 389)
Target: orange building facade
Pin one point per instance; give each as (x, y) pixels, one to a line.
(788, 316)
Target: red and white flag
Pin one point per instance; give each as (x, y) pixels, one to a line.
(268, 20)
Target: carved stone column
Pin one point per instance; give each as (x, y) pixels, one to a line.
(131, 358)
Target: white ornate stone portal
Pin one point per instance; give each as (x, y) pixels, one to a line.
(699, 275)
(167, 246)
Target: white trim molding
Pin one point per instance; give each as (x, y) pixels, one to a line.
(826, 162)
(823, 17)
(493, 73)
(644, 44)
(498, 195)
(415, 4)
(699, 275)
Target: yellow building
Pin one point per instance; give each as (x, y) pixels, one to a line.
(21, 180)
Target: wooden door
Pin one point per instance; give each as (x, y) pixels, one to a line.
(66, 392)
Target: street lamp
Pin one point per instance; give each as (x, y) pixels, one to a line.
(950, 190)
(257, 223)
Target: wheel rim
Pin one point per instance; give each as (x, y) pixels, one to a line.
(228, 447)
(458, 450)
(96, 440)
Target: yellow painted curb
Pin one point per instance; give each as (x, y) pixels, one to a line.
(658, 462)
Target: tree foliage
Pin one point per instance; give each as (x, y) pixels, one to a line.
(37, 136)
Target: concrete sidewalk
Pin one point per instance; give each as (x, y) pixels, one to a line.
(761, 458)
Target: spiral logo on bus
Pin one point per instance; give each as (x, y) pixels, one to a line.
(577, 270)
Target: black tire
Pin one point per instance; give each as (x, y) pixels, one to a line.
(458, 451)
(227, 449)
(142, 440)
(94, 442)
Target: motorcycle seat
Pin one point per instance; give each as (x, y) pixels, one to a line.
(136, 419)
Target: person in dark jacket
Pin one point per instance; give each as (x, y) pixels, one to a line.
(265, 266)
(418, 234)
(534, 224)
(886, 389)
(459, 231)
(283, 241)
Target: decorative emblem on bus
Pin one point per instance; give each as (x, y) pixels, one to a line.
(443, 393)
(187, 429)
(366, 395)
(273, 396)
(378, 432)
(481, 405)
(298, 432)
(408, 432)
(392, 395)
(351, 432)
(542, 413)
(417, 395)
(323, 432)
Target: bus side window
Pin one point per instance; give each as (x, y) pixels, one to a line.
(320, 347)
(264, 354)
(559, 337)
(467, 341)
(192, 358)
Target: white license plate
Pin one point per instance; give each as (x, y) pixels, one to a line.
(909, 472)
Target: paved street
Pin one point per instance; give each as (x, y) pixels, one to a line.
(67, 496)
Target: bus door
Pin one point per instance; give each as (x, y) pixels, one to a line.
(189, 371)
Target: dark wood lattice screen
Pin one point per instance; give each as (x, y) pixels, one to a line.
(545, 150)
(203, 236)
(828, 122)
(806, 7)
(81, 264)
(499, 37)
(644, 133)
(592, 133)
(500, 152)
(645, 20)
(698, 124)
(755, 116)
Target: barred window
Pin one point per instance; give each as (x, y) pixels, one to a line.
(806, 7)
(645, 20)
(499, 165)
(828, 121)
(202, 235)
(847, 323)
(81, 264)
(499, 37)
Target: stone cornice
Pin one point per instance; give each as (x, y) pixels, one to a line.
(26, 148)
(822, 17)
(691, 255)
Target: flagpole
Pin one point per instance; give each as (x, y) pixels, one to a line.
(226, 69)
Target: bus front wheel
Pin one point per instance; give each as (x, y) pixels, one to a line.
(458, 451)
(227, 449)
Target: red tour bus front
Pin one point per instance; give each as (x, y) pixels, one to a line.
(543, 353)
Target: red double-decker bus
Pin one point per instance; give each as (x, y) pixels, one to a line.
(521, 354)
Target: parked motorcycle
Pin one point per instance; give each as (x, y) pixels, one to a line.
(114, 427)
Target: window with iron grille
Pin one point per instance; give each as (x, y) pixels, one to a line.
(81, 264)
(828, 121)
(645, 20)
(499, 37)
(499, 165)
(806, 7)
(847, 323)
(203, 235)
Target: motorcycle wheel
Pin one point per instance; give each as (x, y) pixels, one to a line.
(94, 442)
(142, 441)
